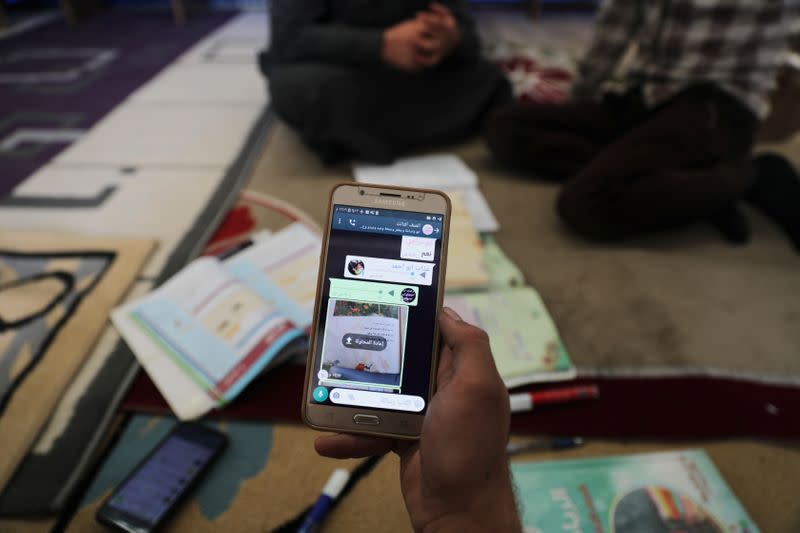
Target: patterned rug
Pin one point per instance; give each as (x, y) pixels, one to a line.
(673, 327)
(135, 172)
(267, 475)
(55, 295)
(57, 81)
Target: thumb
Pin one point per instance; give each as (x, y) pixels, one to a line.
(471, 360)
(440, 9)
(449, 324)
(463, 337)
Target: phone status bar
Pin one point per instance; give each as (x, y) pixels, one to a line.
(390, 213)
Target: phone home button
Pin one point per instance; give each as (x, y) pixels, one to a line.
(366, 420)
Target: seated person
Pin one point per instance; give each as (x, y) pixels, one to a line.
(371, 80)
(674, 147)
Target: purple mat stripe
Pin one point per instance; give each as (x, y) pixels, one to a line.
(57, 81)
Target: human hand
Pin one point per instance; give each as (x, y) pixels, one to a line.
(456, 476)
(399, 45)
(439, 37)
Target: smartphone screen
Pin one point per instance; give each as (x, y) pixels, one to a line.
(377, 313)
(142, 501)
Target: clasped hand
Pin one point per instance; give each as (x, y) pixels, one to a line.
(422, 42)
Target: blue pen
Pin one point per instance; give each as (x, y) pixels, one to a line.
(332, 489)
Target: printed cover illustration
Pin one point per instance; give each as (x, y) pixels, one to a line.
(672, 492)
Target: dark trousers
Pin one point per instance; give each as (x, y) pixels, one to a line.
(377, 114)
(628, 170)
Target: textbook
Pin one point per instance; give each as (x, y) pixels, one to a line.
(525, 343)
(666, 492)
(446, 172)
(209, 330)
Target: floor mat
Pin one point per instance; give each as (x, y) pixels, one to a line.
(57, 81)
(171, 178)
(56, 293)
(667, 320)
(267, 475)
(66, 449)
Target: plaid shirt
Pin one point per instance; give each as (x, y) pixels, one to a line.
(739, 45)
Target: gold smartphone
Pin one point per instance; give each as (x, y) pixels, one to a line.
(375, 337)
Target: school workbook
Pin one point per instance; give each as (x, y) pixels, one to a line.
(668, 492)
(213, 327)
(524, 340)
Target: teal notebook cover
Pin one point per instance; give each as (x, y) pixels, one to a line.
(648, 493)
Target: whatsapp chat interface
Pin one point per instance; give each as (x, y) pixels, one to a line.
(378, 309)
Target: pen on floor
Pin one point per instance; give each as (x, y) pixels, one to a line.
(558, 443)
(525, 401)
(362, 470)
(330, 492)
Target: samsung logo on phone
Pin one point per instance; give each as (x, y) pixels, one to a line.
(387, 201)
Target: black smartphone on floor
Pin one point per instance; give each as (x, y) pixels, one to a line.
(144, 500)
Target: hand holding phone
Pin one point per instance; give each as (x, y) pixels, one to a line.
(457, 473)
(372, 361)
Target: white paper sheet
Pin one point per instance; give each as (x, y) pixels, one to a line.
(185, 398)
(483, 218)
(437, 171)
(290, 260)
(446, 172)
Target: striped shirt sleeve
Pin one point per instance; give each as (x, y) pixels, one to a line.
(617, 25)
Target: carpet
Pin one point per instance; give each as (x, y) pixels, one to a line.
(271, 472)
(133, 188)
(674, 320)
(57, 81)
(268, 474)
(67, 449)
(55, 297)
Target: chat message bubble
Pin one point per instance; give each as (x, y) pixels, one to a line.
(370, 291)
(394, 270)
(420, 248)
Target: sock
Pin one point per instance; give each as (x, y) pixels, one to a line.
(776, 193)
(731, 224)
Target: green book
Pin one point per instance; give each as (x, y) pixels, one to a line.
(525, 342)
(668, 492)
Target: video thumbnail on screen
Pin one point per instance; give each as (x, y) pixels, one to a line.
(364, 344)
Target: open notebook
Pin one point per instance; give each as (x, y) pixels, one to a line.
(213, 327)
(525, 342)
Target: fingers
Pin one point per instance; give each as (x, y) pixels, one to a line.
(446, 369)
(472, 355)
(351, 446)
(431, 22)
(458, 334)
(427, 61)
(440, 9)
(426, 45)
